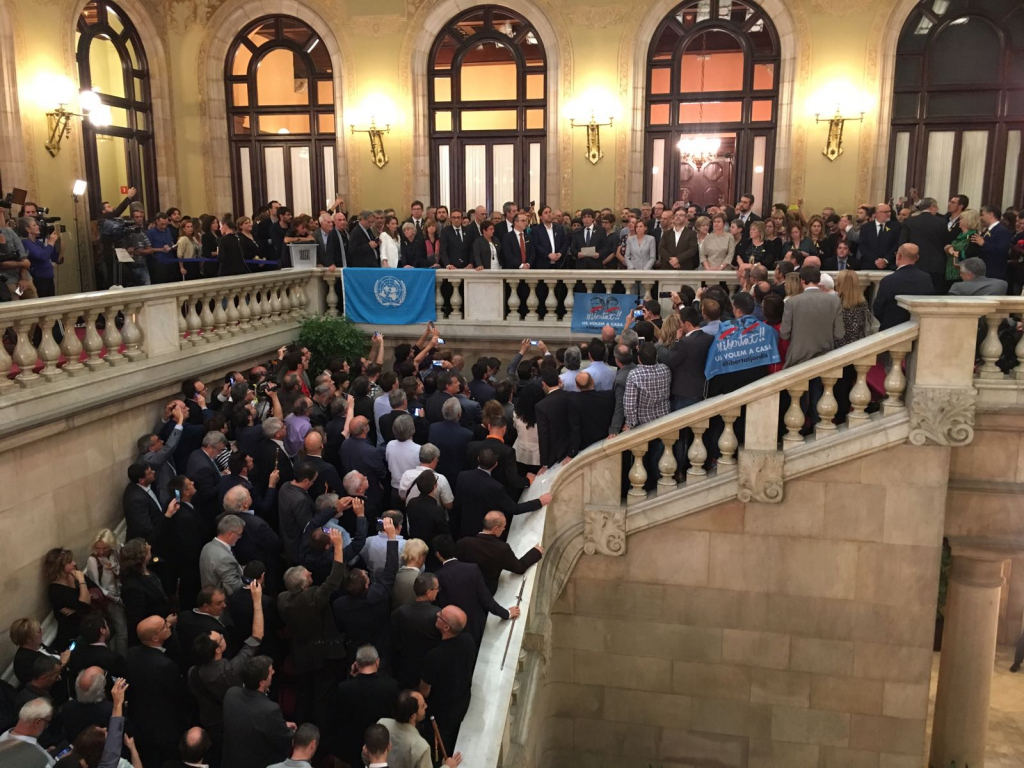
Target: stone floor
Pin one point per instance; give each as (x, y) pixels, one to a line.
(1006, 715)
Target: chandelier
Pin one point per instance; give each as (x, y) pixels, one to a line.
(698, 150)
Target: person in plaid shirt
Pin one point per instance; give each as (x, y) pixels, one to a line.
(648, 388)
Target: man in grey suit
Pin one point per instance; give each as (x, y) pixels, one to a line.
(217, 565)
(812, 320)
(975, 283)
(624, 360)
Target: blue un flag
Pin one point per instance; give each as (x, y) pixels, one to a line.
(389, 296)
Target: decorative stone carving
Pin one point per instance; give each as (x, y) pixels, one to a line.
(598, 16)
(833, 8)
(604, 531)
(942, 415)
(761, 476)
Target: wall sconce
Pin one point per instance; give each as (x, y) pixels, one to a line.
(594, 153)
(59, 120)
(834, 143)
(380, 157)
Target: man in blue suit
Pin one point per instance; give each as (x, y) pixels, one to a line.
(550, 243)
(879, 240)
(452, 440)
(994, 242)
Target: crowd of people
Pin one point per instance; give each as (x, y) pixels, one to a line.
(168, 246)
(310, 557)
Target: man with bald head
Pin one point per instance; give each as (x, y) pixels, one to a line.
(259, 541)
(879, 239)
(159, 704)
(492, 554)
(590, 414)
(327, 477)
(447, 677)
(357, 453)
(907, 280)
(194, 746)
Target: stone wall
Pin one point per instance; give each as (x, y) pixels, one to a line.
(759, 635)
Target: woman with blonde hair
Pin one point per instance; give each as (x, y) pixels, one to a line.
(103, 568)
(962, 248)
(27, 635)
(856, 313)
(413, 557)
(793, 284)
(189, 249)
(68, 594)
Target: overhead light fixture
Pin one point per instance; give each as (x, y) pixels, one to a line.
(283, 132)
(700, 150)
(59, 120)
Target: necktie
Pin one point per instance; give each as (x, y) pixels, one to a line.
(586, 237)
(878, 226)
(341, 248)
(459, 230)
(522, 248)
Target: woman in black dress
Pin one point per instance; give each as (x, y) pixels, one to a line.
(68, 594)
(238, 248)
(141, 591)
(209, 227)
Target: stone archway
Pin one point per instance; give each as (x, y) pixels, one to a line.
(427, 23)
(633, 85)
(223, 27)
(13, 163)
(151, 31)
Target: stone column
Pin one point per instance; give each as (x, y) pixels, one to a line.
(968, 651)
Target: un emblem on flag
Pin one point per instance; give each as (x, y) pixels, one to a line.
(389, 292)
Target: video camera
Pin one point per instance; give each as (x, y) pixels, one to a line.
(117, 229)
(46, 222)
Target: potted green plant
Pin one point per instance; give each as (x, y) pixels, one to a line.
(330, 337)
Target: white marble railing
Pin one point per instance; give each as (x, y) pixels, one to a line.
(929, 396)
(122, 327)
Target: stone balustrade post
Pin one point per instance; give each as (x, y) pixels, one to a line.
(158, 320)
(941, 395)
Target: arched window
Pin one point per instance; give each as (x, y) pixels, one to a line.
(280, 96)
(112, 62)
(958, 102)
(488, 110)
(712, 103)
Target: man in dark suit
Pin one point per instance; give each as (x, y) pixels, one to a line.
(550, 242)
(507, 224)
(506, 472)
(158, 451)
(90, 706)
(454, 248)
(516, 248)
(259, 541)
(927, 230)
(92, 649)
(447, 387)
(462, 585)
(416, 216)
(295, 508)
(204, 472)
(744, 214)
(492, 554)
(208, 616)
(240, 468)
(842, 258)
(413, 630)
(879, 240)
(677, 248)
(553, 420)
(322, 235)
(190, 532)
(255, 731)
(451, 439)
(477, 492)
(194, 747)
(907, 280)
(479, 388)
(363, 244)
(399, 402)
(994, 242)
(362, 700)
(143, 514)
(590, 236)
(327, 477)
(590, 414)
(687, 358)
(156, 696)
(358, 454)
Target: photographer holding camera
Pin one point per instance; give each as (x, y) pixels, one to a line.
(42, 254)
(136, 242)
(113, 231)
(15, 279)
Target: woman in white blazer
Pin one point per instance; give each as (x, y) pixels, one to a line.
(641, 250)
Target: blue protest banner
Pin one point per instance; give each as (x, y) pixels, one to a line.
(593, 311)
(741, 344)
(389, 296)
